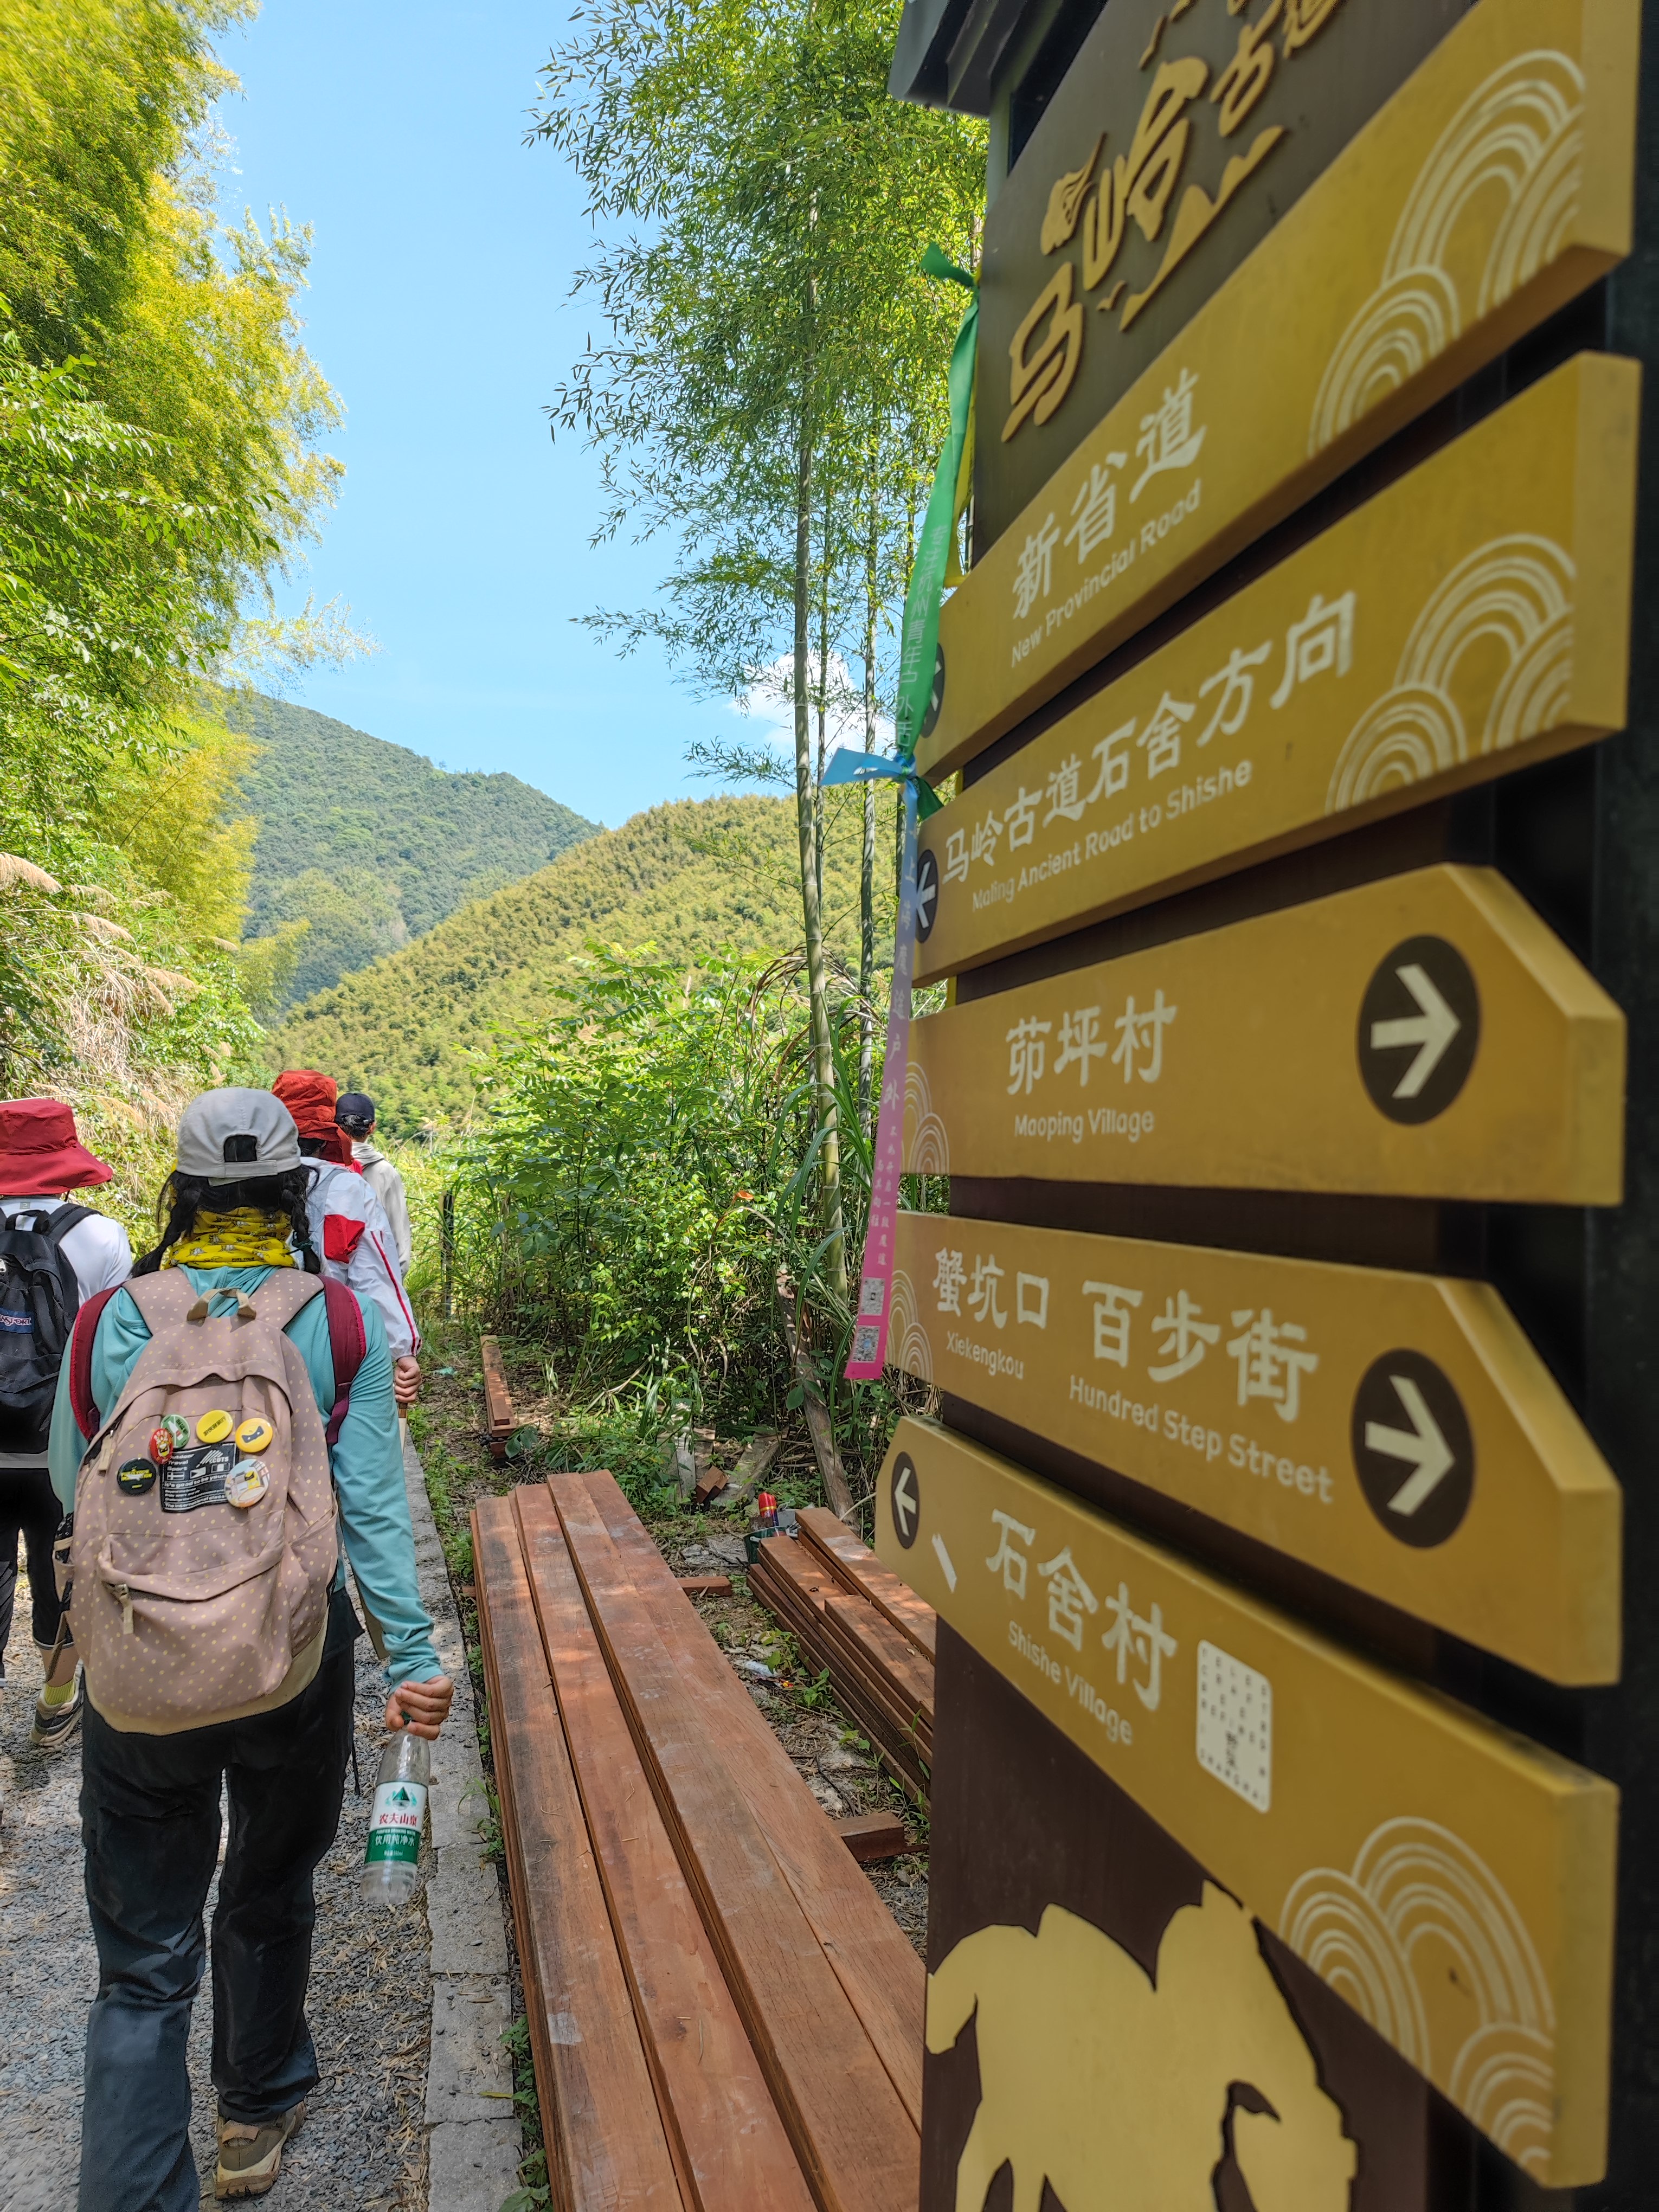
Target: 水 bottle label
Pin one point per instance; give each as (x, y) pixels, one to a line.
(395, 1824)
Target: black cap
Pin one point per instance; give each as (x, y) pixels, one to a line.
(354, 1112)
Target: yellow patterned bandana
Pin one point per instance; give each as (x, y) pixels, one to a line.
(244, 1238)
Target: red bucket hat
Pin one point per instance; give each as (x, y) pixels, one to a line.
(41, 1151)
(309, 1096)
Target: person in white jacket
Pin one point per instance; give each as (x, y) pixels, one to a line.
(348, 1225)
(355, 1112)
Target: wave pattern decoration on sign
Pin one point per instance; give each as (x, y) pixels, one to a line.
(1417, 1905)
(1518, 141)
(1512, 598)
(908, 1345)
(928, 1151)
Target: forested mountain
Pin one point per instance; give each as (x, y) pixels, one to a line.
(369, 843)
(688, 878)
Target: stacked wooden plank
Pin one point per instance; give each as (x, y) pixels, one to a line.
(724, 2016)
(857, 1622)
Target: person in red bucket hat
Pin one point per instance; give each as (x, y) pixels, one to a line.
(53, 1255)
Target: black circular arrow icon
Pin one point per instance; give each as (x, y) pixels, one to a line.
(937, 700)
(927, 895)
(906, 1500)
(1420, 1028)
(1412, 1449)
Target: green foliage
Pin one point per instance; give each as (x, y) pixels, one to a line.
(645, 1178)
(368, 844)
(684, 877)
(160, 428)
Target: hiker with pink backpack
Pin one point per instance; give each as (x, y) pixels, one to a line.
(225, 1422)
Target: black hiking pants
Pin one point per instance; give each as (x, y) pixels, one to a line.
(28, 1508)
(150, 1821)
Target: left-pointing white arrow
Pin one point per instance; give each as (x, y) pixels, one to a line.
(1432, 1030)
(1422, 1446)
(904, 1501)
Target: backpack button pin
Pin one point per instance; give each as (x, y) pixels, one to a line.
(177, 1428)
(246, 1484)
(135, 1476)
(254, 1436)
(213, 1428)
(162, 1444)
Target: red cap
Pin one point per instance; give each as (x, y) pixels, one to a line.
(41, 1151)
(766, 1504)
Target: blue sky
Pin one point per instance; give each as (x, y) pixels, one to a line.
(442, 258)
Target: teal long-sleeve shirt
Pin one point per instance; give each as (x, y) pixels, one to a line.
(368, 1460)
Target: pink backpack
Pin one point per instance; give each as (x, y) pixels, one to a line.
(204, 1543)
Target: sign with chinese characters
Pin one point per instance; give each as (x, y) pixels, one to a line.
(1424, 1036)
(1496, 185)
(1474, 615)
(1452, 1883)
(1395, 1432)
(1179, 137)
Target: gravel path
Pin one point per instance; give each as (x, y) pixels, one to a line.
(362, 2148)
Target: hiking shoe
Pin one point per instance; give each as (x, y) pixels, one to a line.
(250, 2158)
(55, 1724)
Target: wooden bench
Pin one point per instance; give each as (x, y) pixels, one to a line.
(720, 2003)
(498, 1406)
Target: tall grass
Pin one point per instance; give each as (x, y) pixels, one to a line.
(646, 1173)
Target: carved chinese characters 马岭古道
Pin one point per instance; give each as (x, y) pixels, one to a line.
(1319, 643)
(1096, 204)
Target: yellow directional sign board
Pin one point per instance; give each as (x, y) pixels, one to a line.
(1454, 1884)
(1493, 187)
(1396, 1431)
(1474, 615)
(1425, 1035)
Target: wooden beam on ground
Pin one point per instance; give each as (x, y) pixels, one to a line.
(871, 1836)
(606, 2146)
(706, 1585)
(881, 1973)
(498, 1406)
(813, 1407)
(856, 2139)
(733, 2151)
(857, 1566)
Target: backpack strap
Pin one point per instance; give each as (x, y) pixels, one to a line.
(84, 1405)
(348, 1346)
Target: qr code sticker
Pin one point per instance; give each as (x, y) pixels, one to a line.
(1236, 1725)
(864, 1341)
(871, 1298)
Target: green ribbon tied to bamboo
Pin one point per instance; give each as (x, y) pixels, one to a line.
(936, 565)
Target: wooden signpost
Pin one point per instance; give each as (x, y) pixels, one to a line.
(1395, 1431)
(1493, 187)
(1425, 1033)
(1289, 1514)
(1456, 1884)
(1474, 614)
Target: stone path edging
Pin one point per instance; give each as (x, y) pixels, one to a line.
(473, 2138)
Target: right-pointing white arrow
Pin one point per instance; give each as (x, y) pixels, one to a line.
(1422, 1445)
(1432, 1030)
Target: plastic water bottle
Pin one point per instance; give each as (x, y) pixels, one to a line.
(397, 1820)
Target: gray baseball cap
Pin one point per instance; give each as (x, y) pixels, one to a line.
(233, 1136)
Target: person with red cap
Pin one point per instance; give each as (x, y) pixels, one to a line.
(349, 1224)
(52, 1255)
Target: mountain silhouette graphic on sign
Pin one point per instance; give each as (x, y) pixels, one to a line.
(1122, 2092)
